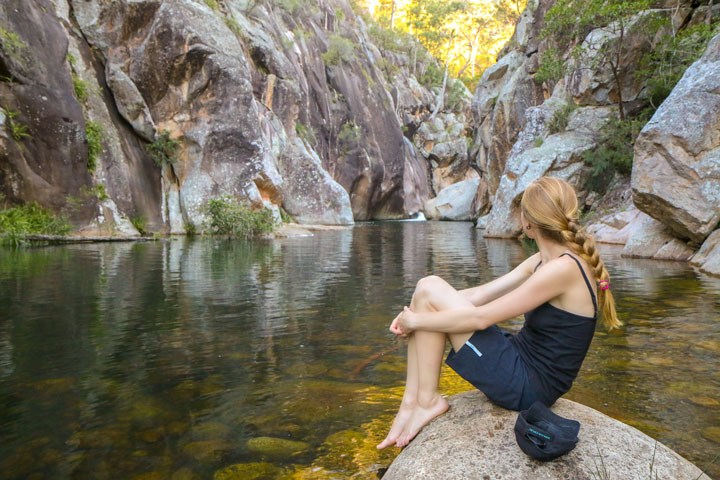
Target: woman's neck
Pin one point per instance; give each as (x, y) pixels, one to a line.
(549, 249)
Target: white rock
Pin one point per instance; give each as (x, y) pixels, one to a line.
(453, 202)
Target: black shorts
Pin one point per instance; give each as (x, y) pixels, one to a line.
(492, 365)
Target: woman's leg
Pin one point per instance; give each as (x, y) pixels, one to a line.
(409, 396)
(429, 347)
(421, 393)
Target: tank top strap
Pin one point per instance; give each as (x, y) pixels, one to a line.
(587, 282)
(536, 266)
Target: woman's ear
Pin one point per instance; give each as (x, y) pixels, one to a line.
(528, 230)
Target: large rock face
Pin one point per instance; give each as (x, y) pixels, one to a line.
(504, 93)
(36, 94)
(475, 439)
(275, 104)
(675, 178)
(592, 82)
(676, 170)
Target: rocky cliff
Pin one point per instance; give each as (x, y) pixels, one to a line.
(280, 103)
(527, 126)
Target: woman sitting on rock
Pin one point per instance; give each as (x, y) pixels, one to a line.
(555, 289)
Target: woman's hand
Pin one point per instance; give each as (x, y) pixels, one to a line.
(404, 324)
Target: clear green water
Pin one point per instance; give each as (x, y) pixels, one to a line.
(176, 359)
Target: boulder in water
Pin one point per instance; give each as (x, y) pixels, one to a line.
(708, 257)
(276, 447)
(475, 439)
(652, 239)
(453, 202)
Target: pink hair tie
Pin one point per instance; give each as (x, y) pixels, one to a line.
(604, 285)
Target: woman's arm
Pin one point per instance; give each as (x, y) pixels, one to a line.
(549, 282)
(488, 292)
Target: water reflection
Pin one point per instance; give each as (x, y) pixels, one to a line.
(186, 357)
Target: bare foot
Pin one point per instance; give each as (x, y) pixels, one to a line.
(421, 416)
(398, 425)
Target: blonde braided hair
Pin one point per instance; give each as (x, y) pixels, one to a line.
(550, 204)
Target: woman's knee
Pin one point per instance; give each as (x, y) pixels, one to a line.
(426, 286)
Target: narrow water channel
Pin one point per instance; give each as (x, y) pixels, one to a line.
(178, 358)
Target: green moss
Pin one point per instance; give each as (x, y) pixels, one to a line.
(11, 45)
(368, 78)
(538, 142)
(305, 133)
(81, 88)
(300, 33)
(552, 66)
(614, 152)
(233, 25)
(292, 6)
(98, 191)
(493, 101)
(228, 217)
(285, 216)
(93, 137)
(212, 4)
(433, 75)
(163, 150)
(559, 121)
(18, 131)
(139, 222)
(349, 133)
(340, 49)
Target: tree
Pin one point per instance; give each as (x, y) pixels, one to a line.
(479, 29)
(571, 20)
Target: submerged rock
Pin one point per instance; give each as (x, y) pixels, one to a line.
(276, 447)
(475, 439)
(207, 451)
(247, 471)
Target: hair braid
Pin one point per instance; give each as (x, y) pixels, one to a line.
(583, 244)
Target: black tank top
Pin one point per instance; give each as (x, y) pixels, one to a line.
(553, 343)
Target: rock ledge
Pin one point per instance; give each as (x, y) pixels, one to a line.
(475, 440)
